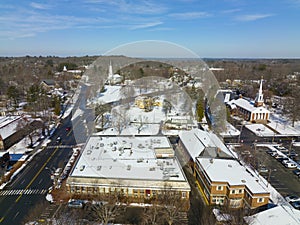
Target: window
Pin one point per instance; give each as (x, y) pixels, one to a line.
(219, 188)
(214, 200)
(259, 200)
(183, 194)
(232, 192)
(147, 193)
(135, 193)
(241, 191)
(247, 195)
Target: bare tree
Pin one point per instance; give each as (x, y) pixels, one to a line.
(100, 110)
(141, 121)
(174, 207)
(152, 214)
(105, 212)
(292, 106)
(28, 128)
(127, 93)
(120, 119)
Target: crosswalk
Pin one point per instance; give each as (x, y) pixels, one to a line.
(61, 146)
(23, 191)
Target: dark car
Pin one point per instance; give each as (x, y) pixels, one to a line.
(296, 172)
(296, 204)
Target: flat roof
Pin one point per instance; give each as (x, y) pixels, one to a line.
(127, 157)
(279, 215)
(232, 172)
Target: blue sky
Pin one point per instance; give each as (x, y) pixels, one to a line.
(210, 28)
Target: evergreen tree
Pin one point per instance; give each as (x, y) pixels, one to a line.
(13, 94)
(57, 108)
(200, 109)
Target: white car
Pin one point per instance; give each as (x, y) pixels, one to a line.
(263, 169)
(290, 164)
(292, 198)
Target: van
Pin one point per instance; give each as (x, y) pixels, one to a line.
(290, 165)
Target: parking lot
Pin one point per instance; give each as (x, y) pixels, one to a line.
(277, 173)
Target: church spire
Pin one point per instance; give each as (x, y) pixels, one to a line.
(110, 70)
(259, 100)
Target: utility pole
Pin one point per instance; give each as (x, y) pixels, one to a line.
(239, 138)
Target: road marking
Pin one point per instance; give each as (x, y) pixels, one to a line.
(16, 215)
(38, 173)
(61, 146)
(24, 192)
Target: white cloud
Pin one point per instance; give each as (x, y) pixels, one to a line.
(130, 7)
(28, 23)
(39, 6)
(145, 25)
(253, 17)
(189, 15)
(229, 11)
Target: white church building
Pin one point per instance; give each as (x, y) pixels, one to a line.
(113, 78)
(252, 111)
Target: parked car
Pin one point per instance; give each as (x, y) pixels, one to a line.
(296, 204)
(282, 159)
(282, 149)
(278, 156)
(293, 154)
(271, 152)
(263, 169)
(292, 198)
(75, 203)
(290, 165)
(296, 172)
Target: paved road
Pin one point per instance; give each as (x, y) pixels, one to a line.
(29, 188)
(31, 185)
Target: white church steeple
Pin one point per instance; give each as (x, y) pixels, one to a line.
(259, 100)
(110, 70)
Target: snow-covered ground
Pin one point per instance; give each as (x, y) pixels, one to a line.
(231, 131)
(278, 126)
(112, 94)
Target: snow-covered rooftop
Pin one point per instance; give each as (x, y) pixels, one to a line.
(128, 157)
(247, 105)
(231, 171)
(260, 130)
(196, 140)
(279, 215)
(8, 125)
